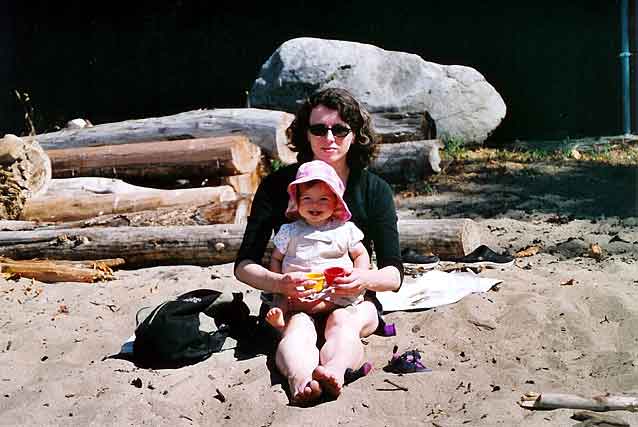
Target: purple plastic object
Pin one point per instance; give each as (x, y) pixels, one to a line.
(366, 368)
(352, 375)
(389, 330)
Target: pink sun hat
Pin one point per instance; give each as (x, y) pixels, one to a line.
(321, 171)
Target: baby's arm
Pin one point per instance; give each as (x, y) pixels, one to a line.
(360, 257)
(276, 260)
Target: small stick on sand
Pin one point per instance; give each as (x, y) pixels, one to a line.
(400, 387)
(602, 403)
(480, 325)
(598, 419)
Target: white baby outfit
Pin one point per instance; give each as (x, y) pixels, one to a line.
(305, 246)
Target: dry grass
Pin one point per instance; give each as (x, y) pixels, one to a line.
(610, 151)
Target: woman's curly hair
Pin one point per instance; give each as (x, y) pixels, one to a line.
(363, 147)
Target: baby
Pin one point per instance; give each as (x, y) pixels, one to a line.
(321, 237)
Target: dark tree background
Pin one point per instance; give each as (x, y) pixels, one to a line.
(554, 62)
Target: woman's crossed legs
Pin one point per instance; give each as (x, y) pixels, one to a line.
(309, 371)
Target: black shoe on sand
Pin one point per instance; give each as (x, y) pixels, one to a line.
(483, 257)
(410, 256)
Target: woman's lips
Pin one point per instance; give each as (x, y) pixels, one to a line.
(329, 149)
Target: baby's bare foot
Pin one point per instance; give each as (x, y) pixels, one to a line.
(304, 392)
(276, 318)
(330, 381)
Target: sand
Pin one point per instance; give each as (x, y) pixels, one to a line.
(560, 321)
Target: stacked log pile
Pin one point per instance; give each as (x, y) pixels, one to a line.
(408, 149)
(84, 193)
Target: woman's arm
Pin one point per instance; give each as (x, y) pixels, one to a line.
(359, 280)
(255, 275)
(386, 279)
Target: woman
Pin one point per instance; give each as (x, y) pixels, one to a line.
(333, 127)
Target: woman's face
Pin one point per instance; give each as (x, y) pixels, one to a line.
(329, 147)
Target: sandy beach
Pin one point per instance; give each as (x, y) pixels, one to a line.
(562, 321)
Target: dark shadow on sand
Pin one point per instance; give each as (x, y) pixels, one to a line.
(578, 190)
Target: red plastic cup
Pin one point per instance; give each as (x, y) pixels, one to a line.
(333, 272)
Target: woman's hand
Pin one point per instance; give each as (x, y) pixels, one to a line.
(294, 284)
(354, 283)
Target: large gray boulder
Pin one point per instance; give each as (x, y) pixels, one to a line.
(459, 99)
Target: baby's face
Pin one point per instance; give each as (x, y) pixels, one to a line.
(316, 203)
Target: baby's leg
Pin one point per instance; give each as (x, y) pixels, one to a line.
(276, 314)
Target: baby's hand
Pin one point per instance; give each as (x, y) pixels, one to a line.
(294, 285)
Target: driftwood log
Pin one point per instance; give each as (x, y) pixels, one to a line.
(442, 237)
(404, 126)
(202, 245)
(60, 271)
(165, 160)
(265, 128)
(95, 185)
(17, 225)
(606, 402)
(25, 171)
(405, 162)
(245, 186)
(139, 246)
(80, 200)
(212, 213)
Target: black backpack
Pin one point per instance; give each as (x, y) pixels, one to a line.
(170, 336)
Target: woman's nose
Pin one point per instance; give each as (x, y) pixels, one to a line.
(330, 136)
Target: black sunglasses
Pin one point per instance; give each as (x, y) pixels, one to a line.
(337, 130)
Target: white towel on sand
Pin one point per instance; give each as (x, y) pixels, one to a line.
(433, 289)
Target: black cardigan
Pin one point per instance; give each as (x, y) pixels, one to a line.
(368, 197)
